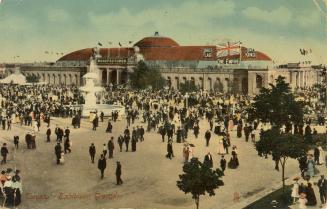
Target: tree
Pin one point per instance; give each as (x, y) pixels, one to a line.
(198, 179)
(144, 77)
(187, 86)
(282, 146)
(32, 78)
(277, 105)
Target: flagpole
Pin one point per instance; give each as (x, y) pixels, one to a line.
(240, 52)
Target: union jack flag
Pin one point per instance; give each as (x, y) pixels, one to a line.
(228, 49)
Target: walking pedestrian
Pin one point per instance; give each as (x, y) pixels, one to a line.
(102, 164)
(119, 181)
(92, 152)
(4, 153)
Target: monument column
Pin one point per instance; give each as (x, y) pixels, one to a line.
(118, 76)
(108, 76)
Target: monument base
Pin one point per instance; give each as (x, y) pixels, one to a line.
(105, 108)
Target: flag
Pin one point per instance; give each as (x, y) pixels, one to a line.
(130, 42)
(119, 44)
(100, 44)
(228, 49)
(46, 52)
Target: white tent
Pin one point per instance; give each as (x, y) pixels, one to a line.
(16, 78)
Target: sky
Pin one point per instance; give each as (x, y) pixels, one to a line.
(278, 28)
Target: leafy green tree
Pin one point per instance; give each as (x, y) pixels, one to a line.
(144, 77)
(187, 86)
(277, 105)
(282, 146)
(198, 178)
(32, 78)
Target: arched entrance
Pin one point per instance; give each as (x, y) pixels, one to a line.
(245, 86)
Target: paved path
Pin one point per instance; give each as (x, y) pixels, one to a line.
(149, 178)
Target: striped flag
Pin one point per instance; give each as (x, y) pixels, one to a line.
(228, 49)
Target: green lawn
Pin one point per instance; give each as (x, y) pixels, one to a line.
(265, 202)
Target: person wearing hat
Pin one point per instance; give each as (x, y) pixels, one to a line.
(223, 163)
(208, 160)
(170, 152)
(16, 141)
(207, 136)
(92, 152)
(120, 142)
(4, 153)
(322, 185)
(302, 201)
(295, 190)
(111, 147)
(67, 132)
(102, 164)
(118, 174)
(48, 133)
(58, 152)
(28, 140)
(311, 197)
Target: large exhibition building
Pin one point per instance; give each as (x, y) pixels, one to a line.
(223, 67)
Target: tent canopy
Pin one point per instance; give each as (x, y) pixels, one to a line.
(16, 78)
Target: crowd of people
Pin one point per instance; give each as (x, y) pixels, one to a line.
(167, 113)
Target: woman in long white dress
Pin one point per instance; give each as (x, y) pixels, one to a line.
(221, 150)
(321, 156)
(295, 191)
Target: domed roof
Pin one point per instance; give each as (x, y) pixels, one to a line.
(85, 54)
(156, 41)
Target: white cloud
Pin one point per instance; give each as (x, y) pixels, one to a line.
(280, 16)
(309, 20)
(57, 15)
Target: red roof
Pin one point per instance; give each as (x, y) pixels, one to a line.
(180, 53)
(85, 54)
(162, 48)
(259, 56)
(156, 41)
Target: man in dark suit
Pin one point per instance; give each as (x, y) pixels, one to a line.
(322, 184)
(4, 153)
(223, 163)
(208, 160)
(316, 155)
(92, 152)
(142, 134)
(207, 135)
(127, 138)
(102, 164)
(118, 174)
(67, 133)
(28, 140)
(58, 152)
(111, 147)
(170, 149)
(120, 142)
(48, 133)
